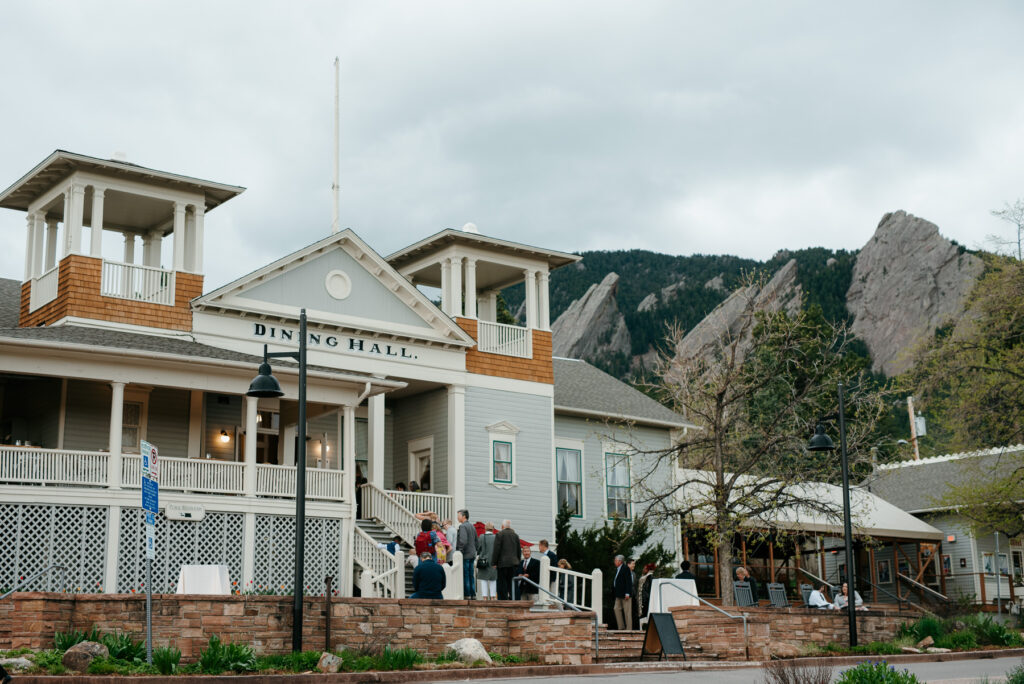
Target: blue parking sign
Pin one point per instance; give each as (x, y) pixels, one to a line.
(150, 495)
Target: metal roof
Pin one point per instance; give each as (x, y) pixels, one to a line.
(450, 236)
(582, 389)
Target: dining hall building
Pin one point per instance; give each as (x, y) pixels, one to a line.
(99, 354)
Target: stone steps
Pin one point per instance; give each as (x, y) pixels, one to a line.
(383, 535)
(621, 646)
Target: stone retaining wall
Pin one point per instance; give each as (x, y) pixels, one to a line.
(188, 621)
(770, 630)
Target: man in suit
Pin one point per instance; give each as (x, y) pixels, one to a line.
(530, 569)
(622, 588)
(685, 574)
(542, 546)
(428, 579)
(507, 553)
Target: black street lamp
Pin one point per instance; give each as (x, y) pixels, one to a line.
(266, 385)
(822, 442)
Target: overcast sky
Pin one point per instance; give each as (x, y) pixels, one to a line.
(680, 127)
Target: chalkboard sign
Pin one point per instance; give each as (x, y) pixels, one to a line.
(662, 637)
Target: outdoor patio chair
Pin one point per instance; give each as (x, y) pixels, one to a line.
(744, 597)
(777, 595)
(805, 592)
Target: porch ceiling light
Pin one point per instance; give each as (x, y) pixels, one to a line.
(224, 436)
(819, 442)
(264, 384)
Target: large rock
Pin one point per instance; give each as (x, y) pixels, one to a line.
(781, 649)
(592, 326)
(15, 664)
(78, 657)
(328, 663)
(908, 280)
(470, 651)
(926, 642)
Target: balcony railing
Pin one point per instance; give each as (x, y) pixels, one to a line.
(44, 289)
(188, 475)
(137, 282)
(276, 480)
(504, 339)
(32, 465)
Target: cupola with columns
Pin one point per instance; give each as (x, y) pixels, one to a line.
(71, 201)
(470, 269)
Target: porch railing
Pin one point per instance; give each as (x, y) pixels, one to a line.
(187, 474)
(31, 465)
(43, 289)
(321, 483)
(577, 588)
(383, 573)
(420, 502)
(134, 281)
(381, 506)
(501, 338)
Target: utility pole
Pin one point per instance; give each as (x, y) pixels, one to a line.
(335, 188)
(913, 427)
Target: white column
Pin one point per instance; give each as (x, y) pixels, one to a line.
(151, 249)
(129, 247)
(543, 313)
(375, 439)
(457, 445)
(51, 244)
(190, 240)
(456, 287)
(248, 550)
(73, 224)
(446, 287)
(96, 242)
(492, 306)
(197, 241)
(531, 298)
(470, 288)
(179, 236)
(482, 312)
(113, 542)
(349, 453)
(195, 424)
(31, 253)
(116, 416)
(66, 222)
(249, 478)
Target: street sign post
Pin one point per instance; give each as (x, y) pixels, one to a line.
(151, 506)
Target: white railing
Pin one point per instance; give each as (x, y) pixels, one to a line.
(321, 483)
(30, 465)
(134, 281)
(421, 502)
(187, 474)
(43, 289)
(380, 506)
(383, 574)
(580, 589)
(454, 586)
(500, 338)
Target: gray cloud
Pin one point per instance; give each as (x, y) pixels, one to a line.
(681, 127)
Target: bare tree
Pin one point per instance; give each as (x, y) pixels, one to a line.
(1014, 215)
(757, 388)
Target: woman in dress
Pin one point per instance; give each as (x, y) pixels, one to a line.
(486, 573)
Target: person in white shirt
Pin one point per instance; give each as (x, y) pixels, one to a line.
(819, 599)
(844, 595)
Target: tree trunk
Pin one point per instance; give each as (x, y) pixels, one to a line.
(725, 570)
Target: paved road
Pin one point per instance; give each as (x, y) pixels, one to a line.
(953, 672)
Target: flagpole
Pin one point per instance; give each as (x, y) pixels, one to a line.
(335, 189)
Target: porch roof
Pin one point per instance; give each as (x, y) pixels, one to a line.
(871, 515)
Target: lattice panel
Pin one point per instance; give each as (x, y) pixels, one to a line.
(214, 540)
(37, 536)
(275, 553)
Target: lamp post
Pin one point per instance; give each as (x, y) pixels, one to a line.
(266, 385)
(822, 442)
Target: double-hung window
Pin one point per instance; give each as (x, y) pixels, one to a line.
(617, 484)
(502, 438)
(569, 475)
(501, 461)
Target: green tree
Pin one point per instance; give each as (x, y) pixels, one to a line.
(756, 390)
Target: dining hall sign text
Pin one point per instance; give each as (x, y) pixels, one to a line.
(344, 343)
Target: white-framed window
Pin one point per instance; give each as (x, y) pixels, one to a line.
(134, 416)
(616, 468)
(502, 442)
(569, 478)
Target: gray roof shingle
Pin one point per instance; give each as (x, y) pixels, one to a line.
(919, 485)
(10, 302)
(584, 388)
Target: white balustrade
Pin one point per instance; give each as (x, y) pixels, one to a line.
(420, 502)
(381, 506)
(501, 338)
(580, 589)
(383, 573)
(31, 465)
(187, 474)
(43, 289)
(454, 585)
(138, 282)
(321, 483)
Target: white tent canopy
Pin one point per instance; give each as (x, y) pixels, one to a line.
(871, 515)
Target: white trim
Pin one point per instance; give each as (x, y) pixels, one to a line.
(75, 321)
(505, 432)
(412, 447)
(456, 446)
(653, 422)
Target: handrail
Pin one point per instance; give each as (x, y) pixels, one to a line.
(403, 523)
(921, 587)
(899, 599)
(597, 645)
(742, 616)
(33, 578)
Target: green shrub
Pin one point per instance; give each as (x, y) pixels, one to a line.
(927, 626)
(106, 666)
(448, 656)
(219, 657)
(353, 661)
(877, 673)
(50, 661)
(962, 641)
(62, 641)
(166, 659)
(288, 662)
(122, 647)
(1016, 675)
(398, 658)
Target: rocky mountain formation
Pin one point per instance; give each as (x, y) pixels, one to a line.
(906, 281)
